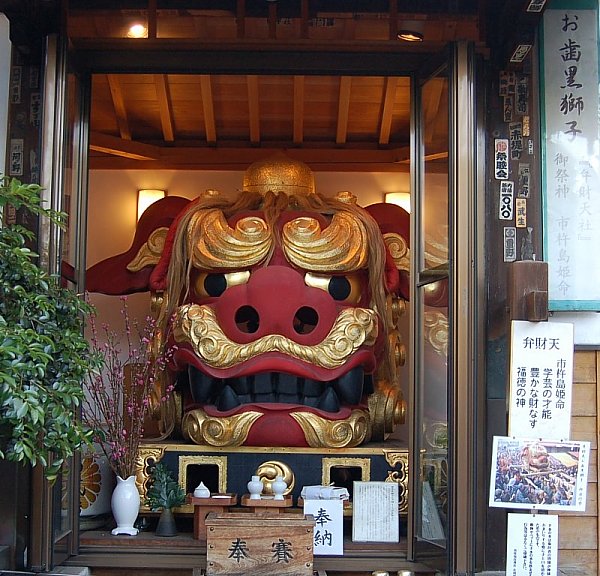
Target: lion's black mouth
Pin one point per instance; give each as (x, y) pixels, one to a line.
(280, 387)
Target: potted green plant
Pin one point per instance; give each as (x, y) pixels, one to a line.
(44, 355)
(164, 493)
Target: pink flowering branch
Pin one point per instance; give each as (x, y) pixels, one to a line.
(119, 397)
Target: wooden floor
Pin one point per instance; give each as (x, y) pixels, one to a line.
(151, 555)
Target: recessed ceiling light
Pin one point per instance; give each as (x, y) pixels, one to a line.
(410, 36)
(137, 31)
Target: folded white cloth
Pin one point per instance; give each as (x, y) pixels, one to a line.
(324, 493)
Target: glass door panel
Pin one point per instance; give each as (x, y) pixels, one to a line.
(430, 338)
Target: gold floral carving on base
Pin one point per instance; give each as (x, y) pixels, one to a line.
(149, 252)
(322, 433)
(147, 458)
(399, 461)
(203, 429)
(90, 483)
(198, 325)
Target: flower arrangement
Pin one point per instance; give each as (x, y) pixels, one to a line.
(119, 397)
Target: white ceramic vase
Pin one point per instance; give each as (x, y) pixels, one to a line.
(255, 488)
(125, 504)
(278, 486)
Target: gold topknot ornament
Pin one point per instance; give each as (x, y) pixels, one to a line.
(279, 173)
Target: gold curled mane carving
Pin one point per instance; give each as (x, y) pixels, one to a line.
(436, 332)
(198, 325)
(203, 429)
(213, 244)
(398, 249)
(341, 247)
(149, 252)
(322, 433)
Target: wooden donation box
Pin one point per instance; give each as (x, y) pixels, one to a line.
(264, 544)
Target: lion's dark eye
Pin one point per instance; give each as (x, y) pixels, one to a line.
(215, 284)
(339, 288)
(346, 289)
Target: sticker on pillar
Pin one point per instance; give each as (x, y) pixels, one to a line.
(516, 140)
(522, 96)
(524, 180)
(532, 544)
(510, 243)
(506, 208)
(501, 158)
(508, 108)
(529, 473)
(506, 83)
(521, 212)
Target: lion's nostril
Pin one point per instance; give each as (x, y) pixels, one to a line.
(247, 319)
(305, 320)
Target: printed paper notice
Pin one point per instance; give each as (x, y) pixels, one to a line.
(375, 512)
(532, 545)
(541, 379)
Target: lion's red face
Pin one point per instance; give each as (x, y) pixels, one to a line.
(278, 339)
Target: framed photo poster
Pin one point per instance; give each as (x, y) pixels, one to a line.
(571, 180)
(537, 474)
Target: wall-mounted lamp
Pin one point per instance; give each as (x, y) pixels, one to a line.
(147, 197)
(402, 199)
(137, 30)
(410, 36)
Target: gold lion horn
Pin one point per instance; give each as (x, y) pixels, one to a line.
(213, 244)
(341, 247)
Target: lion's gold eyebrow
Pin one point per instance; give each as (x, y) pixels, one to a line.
(213, 244)
(341, 247)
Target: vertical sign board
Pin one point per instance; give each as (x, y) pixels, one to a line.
(571, 183)
(541, 380)
(328, 538)
(532, 545)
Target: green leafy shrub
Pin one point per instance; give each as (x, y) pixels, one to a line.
(44, 355)
(164, 492)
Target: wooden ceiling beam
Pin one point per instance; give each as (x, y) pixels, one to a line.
(389, 98)
(208, 109)
(298, 109)
(239, 160)
(165, 107)
(343, 108)
(253, 109)
(119, 106)
(240, 19)
(122, 147)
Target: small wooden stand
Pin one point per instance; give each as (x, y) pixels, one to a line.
(267, 504)
(218, 503)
